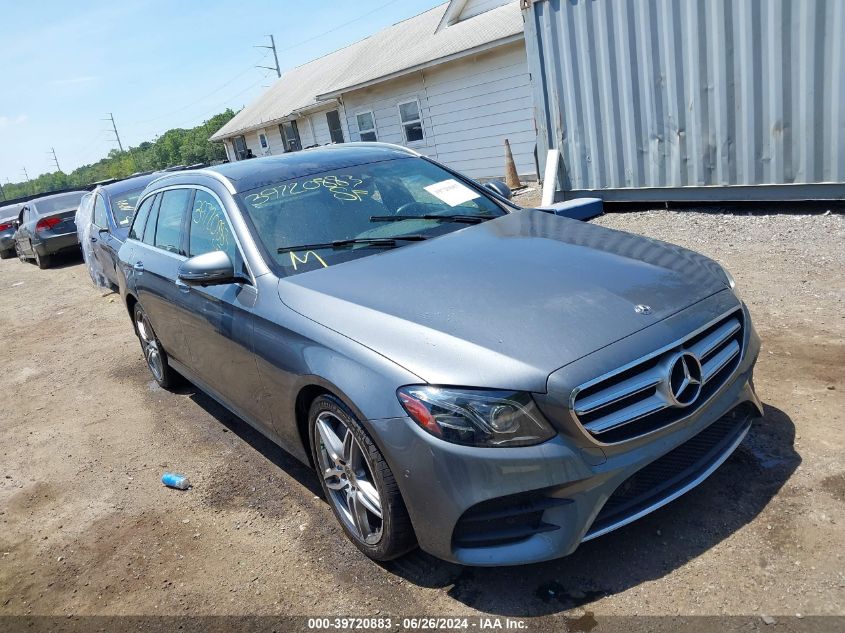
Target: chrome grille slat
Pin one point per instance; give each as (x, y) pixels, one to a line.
(718, 361)
(641, 392)
(632, 412)
(624, 389)
(717, 338)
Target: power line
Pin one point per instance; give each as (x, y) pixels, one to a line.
(114, 127)
(275, 56)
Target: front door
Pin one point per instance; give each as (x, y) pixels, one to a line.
(218, 320)
(335, 129)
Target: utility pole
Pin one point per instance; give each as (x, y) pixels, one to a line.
(55, 160)
(114, 129)
(25, 175)
(275, 56)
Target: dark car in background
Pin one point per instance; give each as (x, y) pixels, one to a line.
(47, 227)
(8, 226)
(104, 222)
(496, 384)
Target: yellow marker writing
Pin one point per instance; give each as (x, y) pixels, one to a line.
(294, 258)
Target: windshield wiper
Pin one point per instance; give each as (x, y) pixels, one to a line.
(374, 242)
(468, 219)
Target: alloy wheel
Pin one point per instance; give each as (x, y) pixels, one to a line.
(348, 478)
(149, 345)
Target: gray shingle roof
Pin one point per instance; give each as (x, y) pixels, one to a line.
(401, 47)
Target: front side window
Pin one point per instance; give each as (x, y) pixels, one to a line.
(137, 230)
(209, 230)
(171, 212)
(409, 115)
(381, 201)
(366, 126)
(100, 218)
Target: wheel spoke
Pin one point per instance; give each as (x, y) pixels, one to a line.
(368, 497)
(359, 515)
(331, 442)
(349, 446)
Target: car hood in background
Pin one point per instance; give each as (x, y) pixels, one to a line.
(504, 303)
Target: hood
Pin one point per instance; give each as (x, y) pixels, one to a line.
(505, 303)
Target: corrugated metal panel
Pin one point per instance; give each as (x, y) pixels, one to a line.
(689, 93)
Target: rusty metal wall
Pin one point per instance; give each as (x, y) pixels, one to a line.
(675, 95)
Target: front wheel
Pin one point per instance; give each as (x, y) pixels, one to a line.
(6, 254)
(357, 482)
(154, 354)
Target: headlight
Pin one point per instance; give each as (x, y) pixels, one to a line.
(476, 417)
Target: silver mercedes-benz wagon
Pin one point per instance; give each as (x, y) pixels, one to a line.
(492, 383)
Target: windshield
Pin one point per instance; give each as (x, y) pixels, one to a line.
(362, 209)
(123, 206)
(58, 203)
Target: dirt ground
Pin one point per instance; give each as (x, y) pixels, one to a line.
(86, 527)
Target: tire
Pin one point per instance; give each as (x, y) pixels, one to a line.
(43, 261)
(6, 254)
(350, 478)
(154, 354)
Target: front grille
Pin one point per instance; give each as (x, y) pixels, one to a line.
(675, 471)
(638, 398)
(505, 520)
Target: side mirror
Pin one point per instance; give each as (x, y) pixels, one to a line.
(500, 188)
(208, 269)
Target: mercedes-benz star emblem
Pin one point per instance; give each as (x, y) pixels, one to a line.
(684, 379)
(642, 309)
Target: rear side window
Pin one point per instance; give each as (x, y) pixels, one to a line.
(171, 213)
(137, 230)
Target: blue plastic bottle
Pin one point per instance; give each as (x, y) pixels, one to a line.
(175, 480)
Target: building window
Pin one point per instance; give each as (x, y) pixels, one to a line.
(335, 130)
(290, 136)
(262, 138)
(409, 114)
(366, 126)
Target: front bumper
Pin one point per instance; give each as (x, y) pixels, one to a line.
(509, 506)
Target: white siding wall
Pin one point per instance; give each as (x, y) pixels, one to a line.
(383, 100)
(469, 108)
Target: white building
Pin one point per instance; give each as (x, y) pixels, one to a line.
(451, 83)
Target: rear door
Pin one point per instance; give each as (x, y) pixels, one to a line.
(218, 320)
(154, 265)
(99, 236)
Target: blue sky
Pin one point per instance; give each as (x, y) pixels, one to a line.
(155, 64)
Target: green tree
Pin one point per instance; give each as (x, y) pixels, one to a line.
(175, 147)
